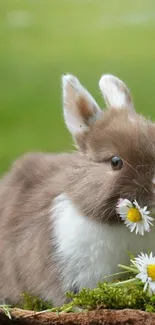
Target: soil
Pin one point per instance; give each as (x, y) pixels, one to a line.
(104, 317)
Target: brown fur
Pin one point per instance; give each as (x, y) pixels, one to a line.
(27, 261)
(85, 110)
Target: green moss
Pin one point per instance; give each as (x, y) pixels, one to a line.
(111, 297)
(106, 295)
(30, 302)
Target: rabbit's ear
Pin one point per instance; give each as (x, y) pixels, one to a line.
(115, 92)
(80, 108)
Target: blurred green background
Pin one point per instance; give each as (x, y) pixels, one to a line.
(42, 39)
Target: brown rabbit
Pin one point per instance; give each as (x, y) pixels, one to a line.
(58, 226)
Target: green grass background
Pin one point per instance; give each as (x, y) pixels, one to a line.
(42, 39)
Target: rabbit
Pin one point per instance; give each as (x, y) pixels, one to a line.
(59, 229)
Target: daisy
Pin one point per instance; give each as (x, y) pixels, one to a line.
(134, 217)
(146, 267)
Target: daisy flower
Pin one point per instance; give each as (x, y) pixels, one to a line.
(134, 217)
(146, 267)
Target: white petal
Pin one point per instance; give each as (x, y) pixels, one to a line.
(151, 255)
(145, 286)
(124, 203)
(152, 285)
(122, 216)
(123, 209)
(130, 225)
(136, 204)
(150, 218)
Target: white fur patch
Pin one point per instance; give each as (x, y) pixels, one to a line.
(89, 250)
(115, 92)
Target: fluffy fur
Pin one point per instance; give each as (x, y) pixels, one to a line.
(58, 226)
(90, 250)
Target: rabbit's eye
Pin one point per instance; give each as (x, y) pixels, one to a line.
(116, 163)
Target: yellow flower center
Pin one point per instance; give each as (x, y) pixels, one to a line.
(134, 215)
(151, 271)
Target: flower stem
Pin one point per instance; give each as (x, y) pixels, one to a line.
(124, 282)
(128, 268)
(115, 274)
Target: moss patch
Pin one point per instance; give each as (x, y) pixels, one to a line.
(30, 302)
(106, 296)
